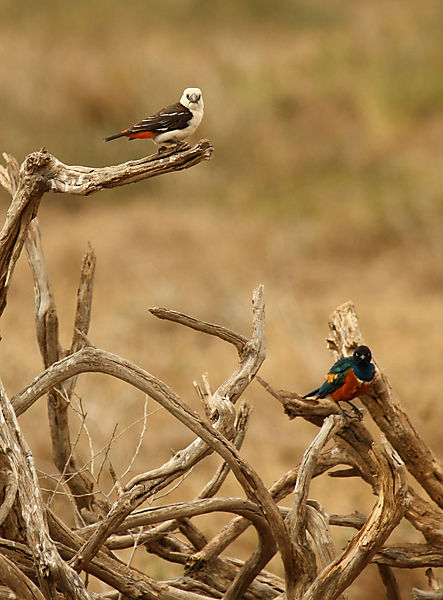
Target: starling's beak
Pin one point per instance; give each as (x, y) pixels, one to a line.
(194, 98)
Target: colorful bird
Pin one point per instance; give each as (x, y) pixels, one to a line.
(172, 124)
(347, 378)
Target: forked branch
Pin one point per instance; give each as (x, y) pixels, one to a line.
(41, 172)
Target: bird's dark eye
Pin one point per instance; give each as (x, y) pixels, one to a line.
(188, 96)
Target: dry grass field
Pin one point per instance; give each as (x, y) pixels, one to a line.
(325, 186)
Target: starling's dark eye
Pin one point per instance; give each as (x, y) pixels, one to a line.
(188, 96)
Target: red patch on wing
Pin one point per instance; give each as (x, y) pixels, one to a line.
(142, 134)
(351, 388)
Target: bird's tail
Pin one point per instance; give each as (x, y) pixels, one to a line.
(312, 394)
(116, 135)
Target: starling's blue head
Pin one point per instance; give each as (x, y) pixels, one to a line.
(362, 355)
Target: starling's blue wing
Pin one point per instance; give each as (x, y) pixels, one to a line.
(333, 380)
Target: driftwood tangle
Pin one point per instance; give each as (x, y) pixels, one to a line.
(42, 558)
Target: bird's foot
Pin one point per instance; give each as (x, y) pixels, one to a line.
(173, 147)
(181, 146)
(356, 411)
(354, 414)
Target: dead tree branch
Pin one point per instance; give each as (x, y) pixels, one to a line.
(387, 411)
(384, 517)
(41, 172)
(52, 571)
(41, 557)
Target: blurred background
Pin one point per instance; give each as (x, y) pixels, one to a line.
(325, 186)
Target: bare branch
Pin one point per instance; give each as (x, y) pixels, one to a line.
(41, 172)
(409, 556)
(9, 175)
(223, 333)
(389, 581)
(387, 411)
(10, 488)
(317, 523)
(17, 581)
(384, 517)
(52, 571)
(80, 483)
(84, 302)
(212, 487)
(87, 180)
(297, 518)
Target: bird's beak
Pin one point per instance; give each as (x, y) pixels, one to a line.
(194, 98)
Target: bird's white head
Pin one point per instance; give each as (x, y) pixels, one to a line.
(192, 98)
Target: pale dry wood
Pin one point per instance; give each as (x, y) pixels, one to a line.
(23, 209)
(129, 582)
(83, 310)
(279, 490)
(241, 425)
(223, 333)
(427, 594)
(9, 175)
(92, 359)
(51, 569)
(389, 581)
(317, 523)
(197, 539)
(424, 517)
(9, 487)
(12, 577)
(355, 440)
(410, 556)
(386, 410)
(297, 517)
(229, 576)
(249, 510)
(41, 172)
(384, 517)
(436, 591)
(79, 481)
(21, 555)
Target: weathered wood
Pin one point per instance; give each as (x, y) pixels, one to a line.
(41, 172)
(384, 517)
(91, 359)
(45, 553)
(389, 581)
(17, 582)
(386, 410)
(52, 571)
(297, 516)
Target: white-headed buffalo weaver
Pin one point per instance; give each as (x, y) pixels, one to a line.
(172, 124)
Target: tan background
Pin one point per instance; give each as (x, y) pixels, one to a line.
(326, 118)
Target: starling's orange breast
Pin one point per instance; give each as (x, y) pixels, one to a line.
(350, 388)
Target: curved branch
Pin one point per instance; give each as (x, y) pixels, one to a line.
(386, 410)
(16, 580)
(92, 359)
(384, 517)
(41, 172)
(223, 333)
(297, 516)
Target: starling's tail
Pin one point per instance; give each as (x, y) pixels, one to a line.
(312, 394)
